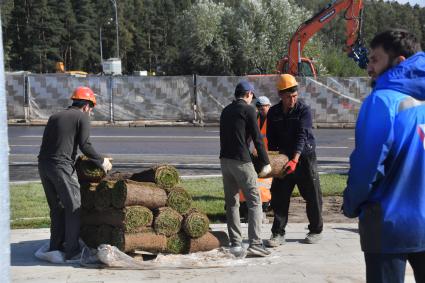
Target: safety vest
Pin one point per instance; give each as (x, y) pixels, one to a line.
(263, 130)
(264, 185)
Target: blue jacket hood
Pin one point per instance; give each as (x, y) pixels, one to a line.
(407, 77)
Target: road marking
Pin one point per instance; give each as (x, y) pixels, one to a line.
(139, 137)
(37, 145)
(332, 147)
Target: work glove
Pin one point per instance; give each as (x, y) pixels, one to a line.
(291, 166)
(106, 165)
(265, 171)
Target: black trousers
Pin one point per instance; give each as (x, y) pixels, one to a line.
(391, 268)
(63, 197)
(307, 180)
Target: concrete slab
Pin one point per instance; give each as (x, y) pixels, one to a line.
(337, 258)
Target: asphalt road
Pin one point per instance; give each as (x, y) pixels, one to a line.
(193, 150)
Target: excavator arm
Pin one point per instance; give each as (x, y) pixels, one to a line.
(292, 63)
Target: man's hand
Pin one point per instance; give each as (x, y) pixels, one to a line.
(265, 171)
(106, 165)
(291, 166)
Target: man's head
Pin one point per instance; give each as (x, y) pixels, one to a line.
(263, 105)
(388, 49)
(287, 88)
(84, 98)
(245, 90)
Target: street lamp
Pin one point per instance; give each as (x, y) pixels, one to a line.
(114, 2)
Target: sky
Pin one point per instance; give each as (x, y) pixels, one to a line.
(412, 2)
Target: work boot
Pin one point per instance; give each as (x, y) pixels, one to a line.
(258, 250)
(312, 238)
(275, 241)
(238, 251)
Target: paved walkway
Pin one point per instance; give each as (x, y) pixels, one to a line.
(337, 258)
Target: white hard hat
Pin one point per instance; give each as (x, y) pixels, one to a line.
(263, 100)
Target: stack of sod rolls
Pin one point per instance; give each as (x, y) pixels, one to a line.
(146, 211)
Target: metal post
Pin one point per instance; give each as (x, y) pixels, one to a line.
(114, 2)
(101, 49)
(4, 178)
(111, 102)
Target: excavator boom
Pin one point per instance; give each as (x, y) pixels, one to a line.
(292, 63)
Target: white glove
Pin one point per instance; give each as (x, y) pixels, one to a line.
(106, 165)
(265, 171)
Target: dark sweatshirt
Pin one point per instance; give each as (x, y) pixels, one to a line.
(238, 123)
(64, 132)
(292, 132)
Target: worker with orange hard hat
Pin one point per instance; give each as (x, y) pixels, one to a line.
(289, 131)
(66, 131)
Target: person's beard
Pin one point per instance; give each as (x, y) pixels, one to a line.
(373, 80)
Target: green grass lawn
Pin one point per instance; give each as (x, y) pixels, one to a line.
(29, 207)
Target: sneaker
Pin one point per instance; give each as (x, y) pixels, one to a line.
(238, 251)
(275, 241)
(312, 238)
(258, 250)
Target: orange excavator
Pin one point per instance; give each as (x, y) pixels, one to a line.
(296, 65)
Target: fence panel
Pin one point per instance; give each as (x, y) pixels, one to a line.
(153, 98)
(15, 95)
(49, 93)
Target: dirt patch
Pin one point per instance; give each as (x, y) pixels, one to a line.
(331, 211)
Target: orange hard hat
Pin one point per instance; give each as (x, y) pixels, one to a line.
(286, 81)
(84, 93)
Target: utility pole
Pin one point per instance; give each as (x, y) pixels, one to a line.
(114, 2)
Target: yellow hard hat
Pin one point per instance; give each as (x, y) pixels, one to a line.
(285, 81)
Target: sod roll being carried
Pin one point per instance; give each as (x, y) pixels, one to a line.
(167, 221)
(165, 176)
(131, 219)
(128, 193)
(195, 223)
(88, 170)
(277, 162)
(179, 199)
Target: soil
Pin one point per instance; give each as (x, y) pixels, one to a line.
(331, 211)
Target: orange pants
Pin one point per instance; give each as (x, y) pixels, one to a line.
(264, 185)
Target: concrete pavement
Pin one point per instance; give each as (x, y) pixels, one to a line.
(337, 258)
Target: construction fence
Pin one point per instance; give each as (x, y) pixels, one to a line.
(197, 99)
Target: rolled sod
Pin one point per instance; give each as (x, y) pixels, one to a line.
(88, 170)
(178, 243)
(211, 240)
(115, 176)
(103, 196)
(137, 217)
(167, 221)
(88, 234)
(130, 219)
(277, 162)
(179, 199)
(88, 192)
(128, 193)
(165, 176)
(195, 224)
(146, 241)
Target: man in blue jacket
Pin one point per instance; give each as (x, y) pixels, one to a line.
(386, 182)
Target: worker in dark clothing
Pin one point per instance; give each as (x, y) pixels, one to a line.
(238, 126)
(64, 132)
(289, 131)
